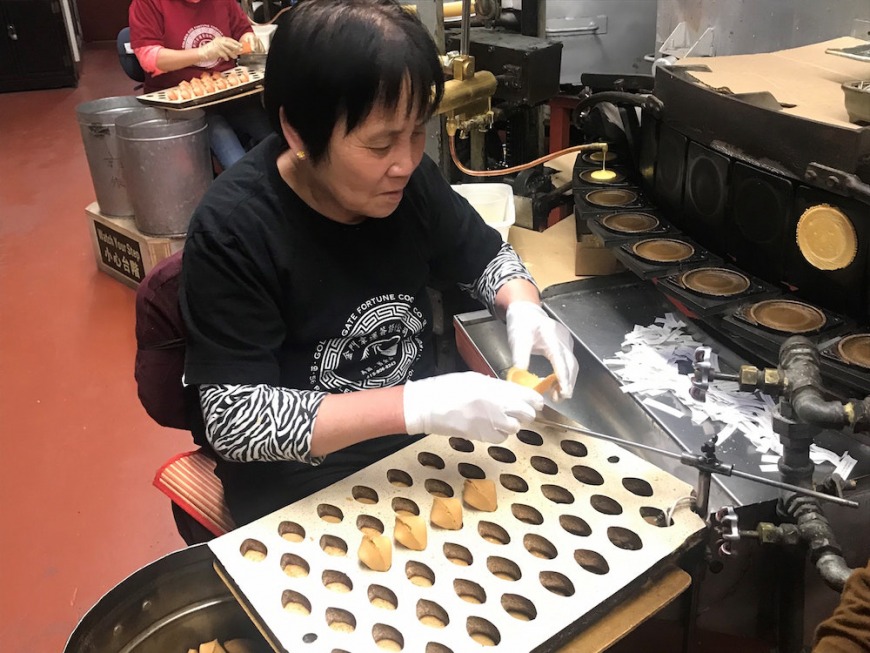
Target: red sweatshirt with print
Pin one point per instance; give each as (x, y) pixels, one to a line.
(182, 25)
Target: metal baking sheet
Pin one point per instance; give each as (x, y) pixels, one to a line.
(580, 524)
(159, 99)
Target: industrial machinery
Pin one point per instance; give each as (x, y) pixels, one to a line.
(725, 201)
(722, 204)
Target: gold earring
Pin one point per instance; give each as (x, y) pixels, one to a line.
(301, 155)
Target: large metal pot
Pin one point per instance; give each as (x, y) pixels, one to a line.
(167, 166)
(173, 604)
(97, 123)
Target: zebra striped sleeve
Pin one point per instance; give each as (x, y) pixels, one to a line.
(247, 423)
(506, 265)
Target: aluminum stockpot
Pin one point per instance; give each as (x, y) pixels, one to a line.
(173, 604)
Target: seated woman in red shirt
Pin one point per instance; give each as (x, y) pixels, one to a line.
(178, 40)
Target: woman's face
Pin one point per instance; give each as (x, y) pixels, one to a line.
(365, 172)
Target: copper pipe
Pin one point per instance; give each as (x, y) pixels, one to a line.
(524, 166)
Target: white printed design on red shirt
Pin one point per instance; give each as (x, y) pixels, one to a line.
(379, 344)
(198, 36)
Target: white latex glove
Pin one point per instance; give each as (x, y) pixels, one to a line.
(221, 48)
(256, 44)
(531, 331)
(469, 405)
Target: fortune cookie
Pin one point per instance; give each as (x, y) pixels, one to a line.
(411, 531)
(376, 552)
(213, 646)
(526, 378)
(446, 513)
(240, 646)
(480, 494)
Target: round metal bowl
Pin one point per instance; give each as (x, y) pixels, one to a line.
(173, 604)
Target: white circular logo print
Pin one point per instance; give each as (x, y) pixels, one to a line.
(197, 37)
(379, 344)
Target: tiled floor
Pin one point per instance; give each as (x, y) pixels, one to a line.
(78, 452)
(78, 510)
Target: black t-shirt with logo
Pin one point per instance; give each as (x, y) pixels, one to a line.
(275, 293)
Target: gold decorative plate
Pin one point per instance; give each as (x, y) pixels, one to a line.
(630, 223)
(855, 349)
(827, 238)
(663, 250)
(716, 282)
(611, 197)
(787, 316)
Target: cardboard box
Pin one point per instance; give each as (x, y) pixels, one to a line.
(592, 258)
(122, 251)
(805, 80)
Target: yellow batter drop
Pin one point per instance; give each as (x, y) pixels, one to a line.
(292, 537)
(603, 175)
(254, 556)
(332, 519)
(383, 604)
(459, 561)
(470, 598)
(370, 531)
(338, 587)
(389, 645)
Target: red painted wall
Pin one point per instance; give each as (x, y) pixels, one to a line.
(102, 19)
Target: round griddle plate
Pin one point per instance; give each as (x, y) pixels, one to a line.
(589, 177)
(826, 238)
(716, 282)
(611, 197)
(630, 223)
(663, 250)
(855, 349)
(598, 157)
(787, 316)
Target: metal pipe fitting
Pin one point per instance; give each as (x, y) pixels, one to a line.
(799, 360)
(458, 93)
(815, 530)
